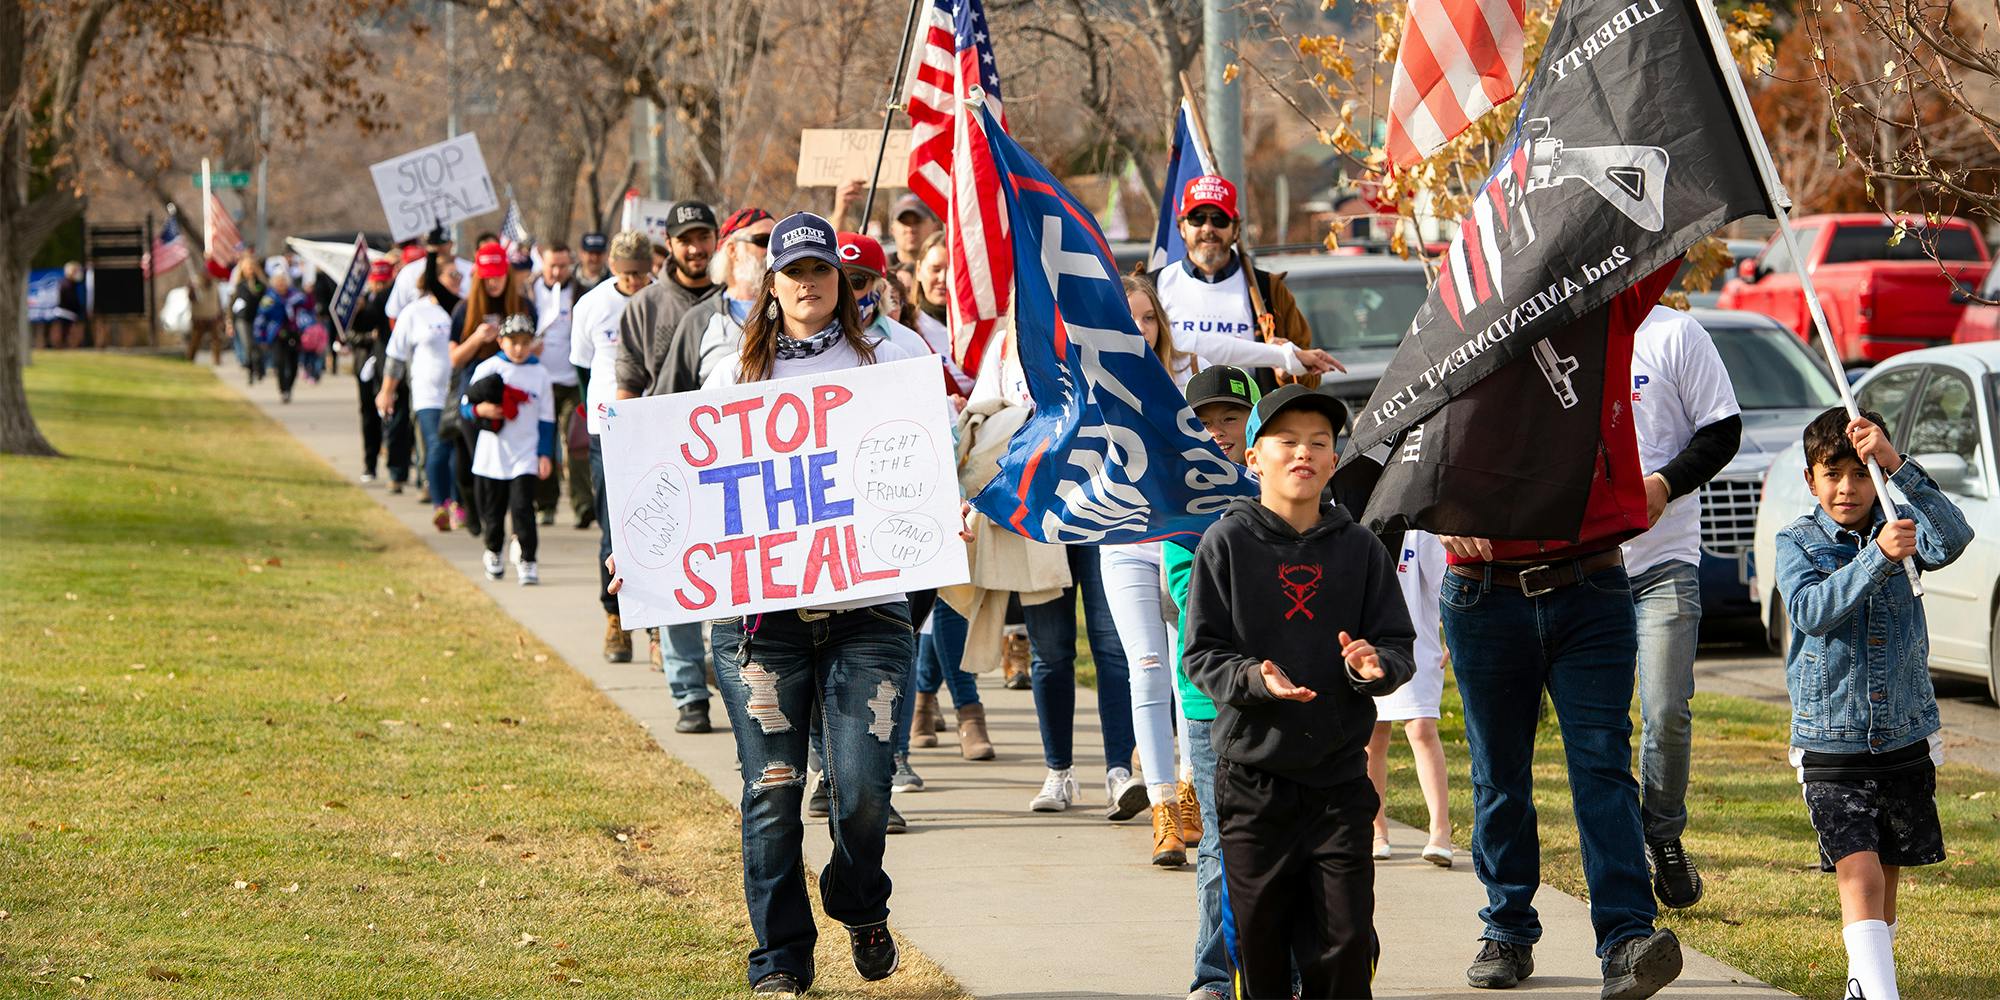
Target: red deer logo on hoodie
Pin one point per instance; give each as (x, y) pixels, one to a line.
(1299, 581)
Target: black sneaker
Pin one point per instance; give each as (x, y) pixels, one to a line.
(874, 951)
(897, 824)
(1676, 880)
(820, 803)
(1639, 967)
(782, 985)
(694, 718)
(1854, 991)
(1500, 965)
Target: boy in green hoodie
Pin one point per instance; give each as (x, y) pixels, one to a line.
(1277, 585)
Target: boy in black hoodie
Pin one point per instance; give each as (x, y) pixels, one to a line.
(1295, 623)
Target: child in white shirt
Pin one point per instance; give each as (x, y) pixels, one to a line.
(509, 461)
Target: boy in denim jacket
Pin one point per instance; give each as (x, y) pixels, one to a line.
(1864, 719)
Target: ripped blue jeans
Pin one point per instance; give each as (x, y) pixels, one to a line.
(776, 672)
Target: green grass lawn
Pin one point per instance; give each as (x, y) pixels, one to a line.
(257, 740)
(1768, 910)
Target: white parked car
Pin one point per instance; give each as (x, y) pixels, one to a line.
(1940, 405)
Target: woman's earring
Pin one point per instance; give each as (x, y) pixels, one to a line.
(771, 311)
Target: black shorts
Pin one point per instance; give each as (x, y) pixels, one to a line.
(1895, 816)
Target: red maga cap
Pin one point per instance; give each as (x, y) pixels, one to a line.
(1209, 189)
(413, 252)
(381, 270)
(491, 261)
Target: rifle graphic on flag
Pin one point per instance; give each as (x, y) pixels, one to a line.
(1112, 454)
(1627, 150)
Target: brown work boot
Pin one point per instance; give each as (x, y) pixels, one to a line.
(1169, 850)
(1014, 662)
(922, 733)
(1189, 809)
(617, 641)
(973, 743)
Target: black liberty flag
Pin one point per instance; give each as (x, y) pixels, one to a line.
(1628, 149)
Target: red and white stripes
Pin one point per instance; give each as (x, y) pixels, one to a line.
(1459, 59)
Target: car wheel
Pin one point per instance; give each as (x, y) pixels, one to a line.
(1779, 635)
(1993, 659)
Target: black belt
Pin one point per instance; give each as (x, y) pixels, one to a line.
(1536, 579)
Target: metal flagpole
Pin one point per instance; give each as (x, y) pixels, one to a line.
(1774, 191)
(889, 109)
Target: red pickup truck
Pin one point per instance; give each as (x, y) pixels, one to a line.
(1880, 300)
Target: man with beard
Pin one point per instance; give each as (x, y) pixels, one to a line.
(647, 331)
(712, 331)
(1208, 298)
(647, 367)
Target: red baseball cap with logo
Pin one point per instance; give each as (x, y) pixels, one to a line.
(413, 252)
(490, 261)
(1209, 189)
(381, 270)
(863, 251)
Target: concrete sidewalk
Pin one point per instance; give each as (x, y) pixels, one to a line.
(1013, 904)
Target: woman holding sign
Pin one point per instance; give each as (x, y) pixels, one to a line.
(847, 662)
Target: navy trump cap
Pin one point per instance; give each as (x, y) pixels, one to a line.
(802, 235)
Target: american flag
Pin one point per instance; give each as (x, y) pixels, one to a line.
(514, 236)
(951, 167)
(1459, 59)
(222, 242)
(170, 247)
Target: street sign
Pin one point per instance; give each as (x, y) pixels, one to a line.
(229, 179)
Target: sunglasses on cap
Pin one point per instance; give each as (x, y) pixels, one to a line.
(1213, 220)
(756, 239)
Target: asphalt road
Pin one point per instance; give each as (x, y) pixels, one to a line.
(1971, 720)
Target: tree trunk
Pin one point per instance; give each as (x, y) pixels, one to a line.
(561, 160)
(18, 433)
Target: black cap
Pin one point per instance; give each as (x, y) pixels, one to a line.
(1222, 384)
(1296, 397)
(686, 215)
(800, 235)
(594, 243)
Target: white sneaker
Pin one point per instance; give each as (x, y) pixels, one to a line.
(367, 477)
(1124, 795)
(1058, 792)
(495, 569)
(529, 573)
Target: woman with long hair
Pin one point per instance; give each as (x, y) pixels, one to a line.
(246, 292)
(1132, 585)
(839, 662)
(496, 294)
(419, 352)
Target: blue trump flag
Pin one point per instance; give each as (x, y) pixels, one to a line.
(1113, 453)
(1186, 162)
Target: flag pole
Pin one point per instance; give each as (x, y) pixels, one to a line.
(1774, 192)
(207, 199)
(889, 110)
(1266, 323)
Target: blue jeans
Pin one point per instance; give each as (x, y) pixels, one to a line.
(1667, 601)
(777, 671)
(939, 654)
(1052, 652)
(1211, 954)
(437, 458)
(1578, 642)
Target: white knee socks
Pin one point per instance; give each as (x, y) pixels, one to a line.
(1871, 959)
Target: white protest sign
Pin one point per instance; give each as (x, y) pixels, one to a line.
(792, 493)
(647, 215)
(434, 186)
(829, 157)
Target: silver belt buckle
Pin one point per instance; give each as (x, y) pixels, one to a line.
(1538, 591)
(809, 615)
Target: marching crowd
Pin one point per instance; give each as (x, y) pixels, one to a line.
(1248, 690)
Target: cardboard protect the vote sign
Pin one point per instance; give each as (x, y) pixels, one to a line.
(791, 493)
(434, 186)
